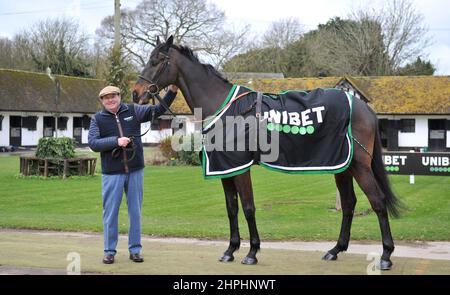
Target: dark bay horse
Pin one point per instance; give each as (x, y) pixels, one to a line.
(203, 87)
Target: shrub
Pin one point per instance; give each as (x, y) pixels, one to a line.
(59, 148)
(184, 157)
(165, 147)
(191, 156)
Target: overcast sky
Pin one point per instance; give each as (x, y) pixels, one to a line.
(17, 15)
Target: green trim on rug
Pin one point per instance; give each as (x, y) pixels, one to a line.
(231, 174)
(227, 99)
(307, 172)
(225, 102)
(235, 173)
(243, 170)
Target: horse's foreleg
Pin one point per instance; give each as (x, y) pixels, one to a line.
(344, 182)
(244, 187)
(232, 209)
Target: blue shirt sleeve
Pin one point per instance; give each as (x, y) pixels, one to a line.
(144, 112)
(97, 143)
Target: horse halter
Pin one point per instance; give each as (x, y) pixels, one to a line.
(152, 84)
(157, 76)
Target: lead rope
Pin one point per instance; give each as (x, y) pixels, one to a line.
(125, 160)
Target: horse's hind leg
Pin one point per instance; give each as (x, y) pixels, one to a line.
(366, 180)
(232, 209)
(344, 182)
(243, 184)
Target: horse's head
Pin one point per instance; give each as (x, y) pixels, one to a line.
(158, 73)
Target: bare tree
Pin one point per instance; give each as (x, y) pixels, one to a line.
(15, 54)
(403, 29)
(55, 43)
(368, 42)
(278, 36)
(196, 23)
(22, 55)
(225, 45)
(405, 33)
(282, 33)
(6, 52)
(348, 47)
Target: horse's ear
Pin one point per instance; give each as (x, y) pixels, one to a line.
(168, 44)
(169, 41)
(158, 41)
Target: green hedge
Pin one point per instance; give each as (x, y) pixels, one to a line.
(59, 148)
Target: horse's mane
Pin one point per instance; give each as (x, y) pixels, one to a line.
(186, 51)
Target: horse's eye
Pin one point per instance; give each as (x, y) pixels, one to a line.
(154, 62)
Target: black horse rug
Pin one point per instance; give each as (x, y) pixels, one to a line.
(293, 132)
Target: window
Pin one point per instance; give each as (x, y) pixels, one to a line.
(62, 123)
(407, 125)
(164, 124)
(29, 122)
(49, 126)
(383, 125)
(86, 121)
(1, 120)
(437, 128)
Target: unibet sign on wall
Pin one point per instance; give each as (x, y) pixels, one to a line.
(417, 163)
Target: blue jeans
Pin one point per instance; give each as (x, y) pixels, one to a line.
(113, 187)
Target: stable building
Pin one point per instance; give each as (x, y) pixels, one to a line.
(35, 105)
(413, 111)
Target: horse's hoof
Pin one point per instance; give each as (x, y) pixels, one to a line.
(329, 256)
(226, 258)
(249, 260)
(385, 264)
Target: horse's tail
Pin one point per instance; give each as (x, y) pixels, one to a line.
(393, 204)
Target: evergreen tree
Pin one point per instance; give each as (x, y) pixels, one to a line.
(118, 74)
(417, 68)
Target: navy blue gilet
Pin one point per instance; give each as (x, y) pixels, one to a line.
(131, 126)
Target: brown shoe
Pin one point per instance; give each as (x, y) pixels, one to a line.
(136, 257)
(108, 259)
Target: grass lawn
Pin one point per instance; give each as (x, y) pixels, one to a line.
(179, 202)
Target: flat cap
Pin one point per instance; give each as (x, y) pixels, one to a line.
(108, 90)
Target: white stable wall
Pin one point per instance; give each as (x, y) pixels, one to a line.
(419, 138)
(4, 133)
(31, 137)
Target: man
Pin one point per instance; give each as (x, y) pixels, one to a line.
(111, 133)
